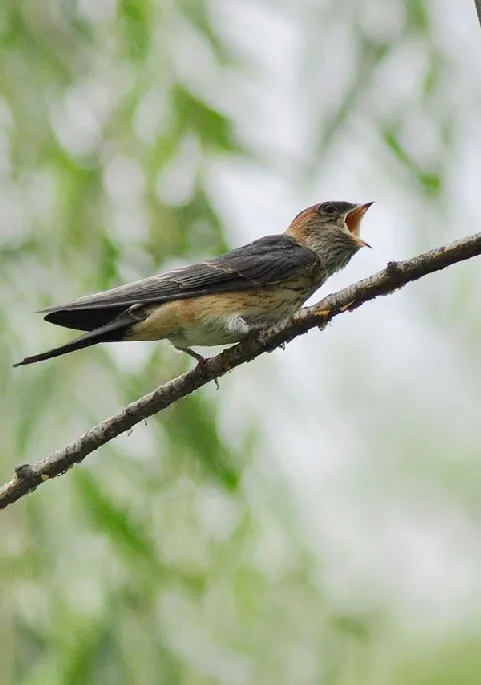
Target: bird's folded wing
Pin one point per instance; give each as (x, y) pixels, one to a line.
(267, 260)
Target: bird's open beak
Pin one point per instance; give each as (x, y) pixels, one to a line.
(353, 222)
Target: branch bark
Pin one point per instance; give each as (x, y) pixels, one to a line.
(396, 275)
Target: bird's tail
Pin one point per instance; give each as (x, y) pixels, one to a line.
(111, 332)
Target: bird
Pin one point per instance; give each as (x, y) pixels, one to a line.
(219, 301)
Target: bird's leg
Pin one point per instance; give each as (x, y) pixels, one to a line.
(260, 334)
(192, 353)
(199, 358)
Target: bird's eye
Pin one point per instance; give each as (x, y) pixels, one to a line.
(328, 208)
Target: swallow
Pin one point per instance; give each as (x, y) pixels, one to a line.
(222, 300)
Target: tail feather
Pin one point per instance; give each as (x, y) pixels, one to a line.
(76, 344)
(83, 319)
(111, 332)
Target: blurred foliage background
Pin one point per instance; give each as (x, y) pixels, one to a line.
(316, 520)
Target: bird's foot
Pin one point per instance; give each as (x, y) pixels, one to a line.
(266, 344)
(261, 337)
(195, 355)
(200, 361)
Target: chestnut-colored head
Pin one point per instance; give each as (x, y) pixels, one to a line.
(331, 230)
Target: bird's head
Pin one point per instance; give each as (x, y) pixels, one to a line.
(331, 230)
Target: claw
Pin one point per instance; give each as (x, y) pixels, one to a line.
(200, 360)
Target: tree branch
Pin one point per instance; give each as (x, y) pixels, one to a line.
(393, 277)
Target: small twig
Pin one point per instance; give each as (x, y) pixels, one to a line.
(394, 276)
(478, 9)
